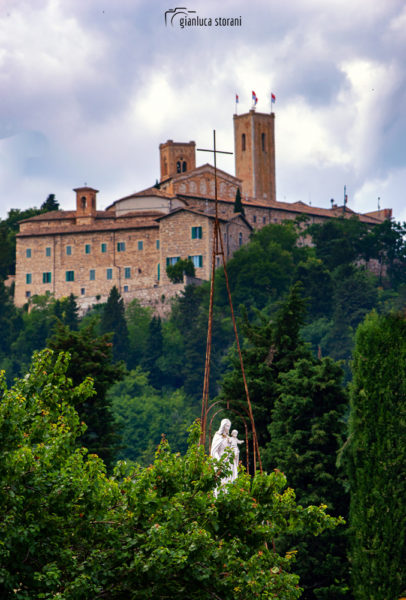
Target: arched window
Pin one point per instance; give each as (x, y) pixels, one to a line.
(263, 141)
(178, 167)
(184, 166)
(243, 142)
(83, 202)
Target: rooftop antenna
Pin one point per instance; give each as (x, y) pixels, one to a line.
(379, 203)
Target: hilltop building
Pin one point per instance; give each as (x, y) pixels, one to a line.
(87, 251)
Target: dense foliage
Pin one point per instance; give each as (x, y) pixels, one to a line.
(68, 531)
(376, 458)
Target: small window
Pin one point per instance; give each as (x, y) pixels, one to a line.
(70, 275)
(109, 273)
(263, 141)
(92, 274)
(254, 218)
(197, 260)
(48, 251)
(158, 271)
(27, 294)
(264, 220)
(46, 277)
(240, 239)
(28, 278)
(157, 244)
(140, 245)
(172, 260)
(82, 291)
(243, 142)
(68, 250)
(197, 233)
(127, 272)
(28, 253)
(126, 288)
(120, 246)
(178, 167)
(103, 247)
(184, 166)
(87, 248)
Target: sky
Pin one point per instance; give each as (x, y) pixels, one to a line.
(90, 88)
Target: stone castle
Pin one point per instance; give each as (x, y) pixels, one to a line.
(88, 251)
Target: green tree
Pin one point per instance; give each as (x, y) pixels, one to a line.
(238, 206)
(339, 241)
(306, 430)
(50, 204)
(270, 348)
(113, 321)
(153, 351)
(143, 414)
(376, 458)
(69, 531)
(91, 357)
(179, 269)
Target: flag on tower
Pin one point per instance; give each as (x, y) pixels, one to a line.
(273, 98)
(237, 99)
(254, 98)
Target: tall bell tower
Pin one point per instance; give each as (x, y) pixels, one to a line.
(254, 146)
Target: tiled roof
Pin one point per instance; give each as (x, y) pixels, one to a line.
(61, 215)
(151, 191)
(296, 207)
(201, 213)
(144, 223)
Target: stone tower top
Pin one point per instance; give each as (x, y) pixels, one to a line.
(85, 205)
(254, 145)
(176, 157)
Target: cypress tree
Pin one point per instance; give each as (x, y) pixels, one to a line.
(376, 459)
(238, 207)
(113, 321)
(50, 204)
(153, 352)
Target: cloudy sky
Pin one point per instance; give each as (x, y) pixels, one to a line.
(89, 88)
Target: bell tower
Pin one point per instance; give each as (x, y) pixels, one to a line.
(85, 205)
(254, 146)
(176, 158)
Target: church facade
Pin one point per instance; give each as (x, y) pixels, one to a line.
(87, 251)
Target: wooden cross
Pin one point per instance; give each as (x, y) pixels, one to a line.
(215, 152)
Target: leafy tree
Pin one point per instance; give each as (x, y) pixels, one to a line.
(69, 531)
(70, 312)
(8, 230)
(179, 269)
(339, 241)
(113, 321)
(138, 319)
(91, 357)
(386, 242)
(376, 458)
(306, 429)
(50, 204)
(143, 414)
(318, 287)
(238, 206)
(153, 351)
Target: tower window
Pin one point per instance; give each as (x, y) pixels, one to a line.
(240, 239)
(184, 166)
(178, 167)
(243, 142)
(263, 141)
(83, 201)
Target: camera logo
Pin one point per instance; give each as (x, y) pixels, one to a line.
(179, 11)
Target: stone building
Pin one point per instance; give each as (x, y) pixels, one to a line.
(129, 245)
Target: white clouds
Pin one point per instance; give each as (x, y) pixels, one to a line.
(104, 84)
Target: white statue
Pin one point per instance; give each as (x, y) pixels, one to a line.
(234, 445)
(221, 441)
